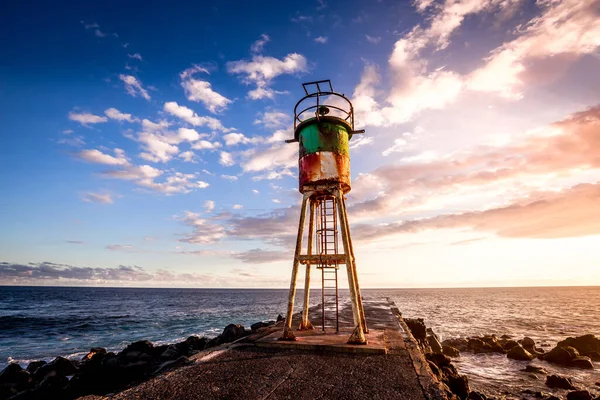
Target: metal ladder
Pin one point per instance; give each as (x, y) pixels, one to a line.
(327, 243)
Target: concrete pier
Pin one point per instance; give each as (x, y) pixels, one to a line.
(316, 366)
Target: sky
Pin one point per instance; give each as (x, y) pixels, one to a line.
(143, 144)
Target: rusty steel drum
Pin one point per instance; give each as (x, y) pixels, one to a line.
(324, 157)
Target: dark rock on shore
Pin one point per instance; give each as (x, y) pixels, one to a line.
(519, 353)
(586, 345)
(476, 396)
(579, 395)
(417, 328)
(434, 343)
(560, 382)
(450, 351)
(459, 344)
(567, 356)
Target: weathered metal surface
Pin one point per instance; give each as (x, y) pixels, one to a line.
(327, 134)
(323, 169)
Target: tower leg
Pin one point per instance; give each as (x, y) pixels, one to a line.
(305, 323)
(288, 334)
(355, 273)
(358, 336)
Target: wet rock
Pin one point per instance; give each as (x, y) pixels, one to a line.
(170, 353)
(280, 318)
(535, 370)
(141, 346)
(434, 343)
(560, 382)
(528, 343)
(536, 394)
(258, 325)
(450, 351)
(58, 366)
(459, 385)
(510, 344)
(417, 328)
(460, 344)
(594, 355)
(197, 343)
(558, 355)
(54, 383)
(94, 351)
(438, 359)
(232, 332)
(519, 353)
(585, 344)
(582, 362)
(579, 395)
(34, 366)
(493, 343)
(476, 396)
(14, 375)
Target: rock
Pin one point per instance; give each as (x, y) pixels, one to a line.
(476, 396)
(476, 345)
(493, 343)
(594, 355)
(558, 355)
(438, 359)
(434, 368)
(34, 365)
(417, 328)
(519, 353)
(459, 385)
(197, 343)
(54, 383)
(579, 395)
(582, 362)
(560, 382)
(585, 344)
(258, 325)
(183, 360)
(460, 344)
(535, 370)
(528, 343)
(141, 346)
(93, 351)
(533, 393)
(232, 332)
(131, 356)
(552, 397)
(14, 375)
(58, 366)
(597, 383)
(170, 353)
(280, 318)
(572, 351)
(510, 344)
(434, 343)
(450, 351)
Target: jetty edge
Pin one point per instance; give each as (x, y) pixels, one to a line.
(316, 365)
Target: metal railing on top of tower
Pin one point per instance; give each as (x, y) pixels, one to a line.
(335, 103)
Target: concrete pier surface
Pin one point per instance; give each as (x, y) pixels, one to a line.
(319, 365)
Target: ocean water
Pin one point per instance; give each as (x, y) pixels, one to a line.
(39, 323)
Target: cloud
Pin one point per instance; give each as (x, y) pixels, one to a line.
(115, 114)
(279, 157)
(321, 39)
(101, 198)
(206, 145)
(226, 159)
(201, 90)
(191, 117)
(261, 70)
(133, 86)
(237, 206)
(136, 56)
(74, 242)
(148, 125)
(273, 119)
(373, 39)
(86, 118)
(563, 33)
(204, 231)
(157, 148)
(231, 178)
(257, 47)
(119, 247)
(209, 206)
(260, 256)
(187, 156)
(234, 138)
(98, 157)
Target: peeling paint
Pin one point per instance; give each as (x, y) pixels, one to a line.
(324, 168)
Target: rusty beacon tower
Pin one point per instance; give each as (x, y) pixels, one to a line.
(323, 126)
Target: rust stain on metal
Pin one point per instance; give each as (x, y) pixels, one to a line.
(322, 169)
